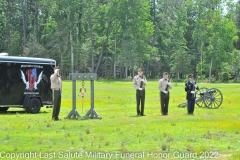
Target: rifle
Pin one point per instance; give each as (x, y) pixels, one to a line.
(166, 89)
(194, 88)
(141, 84)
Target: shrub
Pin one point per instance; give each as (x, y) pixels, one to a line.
(225, 76)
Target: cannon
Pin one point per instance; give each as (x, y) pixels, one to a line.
(210, 98)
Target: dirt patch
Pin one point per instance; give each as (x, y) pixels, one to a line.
(224, 156)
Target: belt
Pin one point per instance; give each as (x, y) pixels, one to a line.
(163, 92)
(57, 89)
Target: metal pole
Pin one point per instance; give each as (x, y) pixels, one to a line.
(92, 94)
(82, 104)
(92, 112)
(73, 114)
(73, 81)
(74, 94)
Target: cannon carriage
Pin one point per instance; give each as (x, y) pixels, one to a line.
(210, 98)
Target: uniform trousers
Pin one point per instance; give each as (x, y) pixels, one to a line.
(56, 98)
(164, 99)
(140, 97)
(191, 104)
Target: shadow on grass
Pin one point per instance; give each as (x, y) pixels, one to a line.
(136, 116)
(20, 112)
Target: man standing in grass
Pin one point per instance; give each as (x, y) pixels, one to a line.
(190, 88)
(139, 83)
(164, 85)
(56, 86)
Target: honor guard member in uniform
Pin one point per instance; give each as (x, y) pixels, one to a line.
(56, 86)
(139, 83)
(164, 85)
(190, 88)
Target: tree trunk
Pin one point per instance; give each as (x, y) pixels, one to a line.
(146, 72)
(72, 55)
(61, 65)
(36, 21)
(123, 72)
(80, 20)
(126, 72)
(217, 75)
(237, 76)
(132, 72)
(92, 45)
(24, 25)
(210, 70)
(105, 69)
(115, 52)
(100, 57)
(156, 29)
(201, 50)
(114, 70)
(103, 45)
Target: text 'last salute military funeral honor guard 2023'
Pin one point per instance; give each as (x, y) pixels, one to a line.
(139, 83)
(56, 86)
(190, 88)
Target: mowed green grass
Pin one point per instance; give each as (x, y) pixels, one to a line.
(214, 132)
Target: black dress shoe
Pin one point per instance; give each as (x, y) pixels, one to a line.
(57, 119)
(143, 115)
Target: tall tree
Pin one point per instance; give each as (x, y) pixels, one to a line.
(221, 36)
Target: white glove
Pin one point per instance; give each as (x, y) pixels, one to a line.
(142, 80)
(193, 92)
(140, 89)
(165, 92)
(195, 86)
(56, 70)
(169, 83)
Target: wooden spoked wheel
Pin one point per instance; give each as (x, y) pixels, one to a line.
(200, 97)
(213, 98)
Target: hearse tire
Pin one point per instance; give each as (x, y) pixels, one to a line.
(34, 106)
(3, 109)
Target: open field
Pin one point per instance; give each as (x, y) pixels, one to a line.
(210, 133)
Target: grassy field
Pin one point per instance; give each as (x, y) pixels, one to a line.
(210, 133)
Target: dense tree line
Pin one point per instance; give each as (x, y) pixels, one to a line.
(115, 37)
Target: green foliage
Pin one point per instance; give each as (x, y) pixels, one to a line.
(181, 62)
(225, 76)
(118, 36)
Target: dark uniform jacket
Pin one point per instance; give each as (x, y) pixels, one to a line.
(189, 86)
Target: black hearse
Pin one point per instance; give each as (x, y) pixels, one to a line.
(25, 82)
